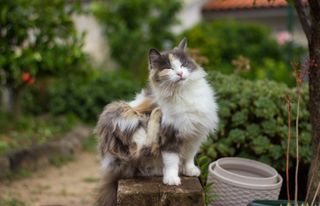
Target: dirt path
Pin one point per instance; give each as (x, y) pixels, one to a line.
(70, 185)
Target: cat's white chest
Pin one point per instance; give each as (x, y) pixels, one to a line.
(192, 111)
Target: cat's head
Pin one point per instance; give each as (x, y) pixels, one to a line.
(172, 68)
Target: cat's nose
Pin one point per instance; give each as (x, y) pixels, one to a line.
(180, 73)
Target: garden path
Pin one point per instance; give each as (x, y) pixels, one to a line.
(72, 184)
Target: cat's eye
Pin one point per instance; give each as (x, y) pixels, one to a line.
(184, 64)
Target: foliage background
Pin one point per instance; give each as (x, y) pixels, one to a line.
(253, 122)
(86, 100)
(39, 44)
(133, 27)
(234, 47)
(47, 46)
(39, 38)
(252, 113)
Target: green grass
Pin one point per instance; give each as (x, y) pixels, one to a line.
(90, 179)
(59, 161)
(28, 130)
(17, 175)
(12, 202)
(90, 144)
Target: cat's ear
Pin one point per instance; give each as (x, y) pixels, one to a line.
(153, 56)
(183, 44)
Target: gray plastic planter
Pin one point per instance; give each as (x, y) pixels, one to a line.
(238, 181)
(271, 203)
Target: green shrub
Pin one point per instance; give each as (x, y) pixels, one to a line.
(132, 27)
(24, 131)
(253, 122)
(38, 40)
(228, 44)
(86, 99)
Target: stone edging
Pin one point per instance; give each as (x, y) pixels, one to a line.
(38, 156)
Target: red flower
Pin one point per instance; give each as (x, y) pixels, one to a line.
(31, 81)
(26, 76)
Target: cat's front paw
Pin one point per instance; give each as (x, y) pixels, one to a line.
(191, 170)
(171, 180)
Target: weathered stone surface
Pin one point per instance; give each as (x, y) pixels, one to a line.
(38, 156)
(30, 158)
(4, 166)
(152, 192)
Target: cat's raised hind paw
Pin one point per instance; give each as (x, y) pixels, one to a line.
(156, 114)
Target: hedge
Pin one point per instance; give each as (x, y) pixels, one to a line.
(81, 97)
(253, 122)
(231, 46)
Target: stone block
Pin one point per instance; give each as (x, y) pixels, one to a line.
(152, 192)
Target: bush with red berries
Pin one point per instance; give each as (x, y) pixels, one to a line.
(27, 78)
(38, 41)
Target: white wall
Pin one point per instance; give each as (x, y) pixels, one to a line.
(189, 15)
(96, 44)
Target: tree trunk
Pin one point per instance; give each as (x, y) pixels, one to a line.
(10, 99)
(314, 95)
(6, 99)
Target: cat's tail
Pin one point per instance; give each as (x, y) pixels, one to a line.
(107, 191)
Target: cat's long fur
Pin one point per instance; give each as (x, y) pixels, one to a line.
(128, 132)
(189, 110)
(130, 138)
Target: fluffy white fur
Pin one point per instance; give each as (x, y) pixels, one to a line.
(191, 102)
(192, 110)
(140, 97)
(171, 168)
(105, 162)
(140, 138)
(126, 123)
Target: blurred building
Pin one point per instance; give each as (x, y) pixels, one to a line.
(95, 42)
(189, 15)
(276, 14)
(272, 13)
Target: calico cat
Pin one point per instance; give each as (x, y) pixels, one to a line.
(160, 132)
(188, 106)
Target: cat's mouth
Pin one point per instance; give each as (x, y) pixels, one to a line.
(180, 80)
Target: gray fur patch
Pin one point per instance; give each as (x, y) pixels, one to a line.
(170, 139)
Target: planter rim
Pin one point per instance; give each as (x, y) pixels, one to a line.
(213, 173)
(270, 202)
(271, 175)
